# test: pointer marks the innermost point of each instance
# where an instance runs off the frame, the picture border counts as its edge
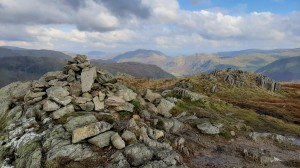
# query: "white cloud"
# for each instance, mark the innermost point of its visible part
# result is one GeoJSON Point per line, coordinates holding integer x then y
{"type": "Point", "coordinates": [156, 24]}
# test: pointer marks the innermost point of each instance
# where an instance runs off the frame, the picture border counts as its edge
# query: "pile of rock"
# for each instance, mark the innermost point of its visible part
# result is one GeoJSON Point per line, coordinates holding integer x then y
{"type": "Point", "coordinates": [65, 115]}
{"type": "Point", "coordinates": [238, 78]}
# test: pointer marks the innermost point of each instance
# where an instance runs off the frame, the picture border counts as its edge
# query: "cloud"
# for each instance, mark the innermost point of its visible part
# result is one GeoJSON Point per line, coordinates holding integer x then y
{"type": "Point", "coordinates": [157, 24]}
{"type": "Point", "coordinates": [198, 2]}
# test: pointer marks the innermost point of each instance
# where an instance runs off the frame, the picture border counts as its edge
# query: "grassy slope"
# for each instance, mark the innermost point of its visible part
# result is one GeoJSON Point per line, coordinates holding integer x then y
{"type": "Point", "coordinates": [232, 104]}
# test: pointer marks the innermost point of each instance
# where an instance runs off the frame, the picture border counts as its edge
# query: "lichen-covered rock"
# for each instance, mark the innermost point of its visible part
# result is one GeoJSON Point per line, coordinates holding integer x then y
{"type": "Point", "coordinates": [114, 101]}
{"type": "Point", "coordinates": [88, 106]}
{"type": "Point", "coordinates": [117, 141]}
{"type": "Point", "coordinates": [164, 108]}
{"type": "Point", "coordinates": [57, 91]}
{"type": "Point", "coordinates": [102, 140]}
{"type": "Point", "coordinates": [63, 111]}
{"type": "Point", "coordinates": [87, 79]}
{"type": "Point", "coordinates": [150, 96]}
{"type": "Point", "coordinates": [99, 105]}
{"type": "Point", "coordinates": [80, 121]}
{"type": "Point", "coordinates": [125, 107]}
{"type": "Point", "coordinates": [126, 94]}
{"type": "Point", "coordinates": [90, 130]}
{"type": "Point", "coordinates": [138, 154]}
{"type": "Point", "coordinates": [208, 128]}
{"type": "Point", "coordinates": [50, 106]}
{"type": "Point", "coordinates": [129, 137]}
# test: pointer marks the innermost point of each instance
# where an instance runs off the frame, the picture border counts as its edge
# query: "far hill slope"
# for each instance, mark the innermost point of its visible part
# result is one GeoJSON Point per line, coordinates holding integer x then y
{"type": "Point", "coordinates": [21, 68]}
{"type": "Point", "coordinates": [142, 56]}
{"type": "Point", "coordinates": [283, 70]}
{"type": "Point", "coordinates": [134, 69]}
{"type": "Point", "coordinates": [14, 52]}
{"type": "Point", "coordinates": [248, 60]}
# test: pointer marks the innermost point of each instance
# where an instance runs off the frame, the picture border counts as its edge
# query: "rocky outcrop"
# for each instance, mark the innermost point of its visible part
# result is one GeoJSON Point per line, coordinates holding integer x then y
{"type": "Point", "coordinates": [70, 114]}
{"type": "Point", "coordinates": [268, 83]}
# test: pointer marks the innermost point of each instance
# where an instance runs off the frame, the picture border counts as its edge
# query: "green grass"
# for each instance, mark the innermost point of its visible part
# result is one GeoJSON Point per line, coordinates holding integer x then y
{"type": "Point", "coordinates": [230, 115]}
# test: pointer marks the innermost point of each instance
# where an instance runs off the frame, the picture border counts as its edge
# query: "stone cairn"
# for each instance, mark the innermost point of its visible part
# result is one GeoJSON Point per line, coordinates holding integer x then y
{"type": "Point", "coordinates": [66, 114]}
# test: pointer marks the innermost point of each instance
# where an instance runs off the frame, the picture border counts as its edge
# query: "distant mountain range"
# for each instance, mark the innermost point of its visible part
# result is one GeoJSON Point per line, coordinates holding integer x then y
{"type": "Point", "coordinates": [22, 64]}
{"type": "Point", "coordinates": [249, 60]}
{"type": "Point", "coordinates": [159, 65]}
{"type": "Point", "coordinates": [287, 69]}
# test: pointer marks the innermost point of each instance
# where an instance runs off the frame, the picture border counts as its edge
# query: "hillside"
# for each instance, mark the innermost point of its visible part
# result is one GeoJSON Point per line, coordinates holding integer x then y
{"type": "Point", "coordinates": [84, 117]}
{"type": "Point", "coordinates": [17, 52]}
{"type": "Point", "coordinates": [134, 69]}
{"type": "Point", "coordinates": [287, 69]}
{"type": "Point", "coordinates": [22, 68]}
{"type": "Point", "coordinates": [248, 60]}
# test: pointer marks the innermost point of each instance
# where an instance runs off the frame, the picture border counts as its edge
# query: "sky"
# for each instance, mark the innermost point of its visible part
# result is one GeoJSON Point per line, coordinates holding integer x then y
{"type": "Point", "coordinates": [174, 27]}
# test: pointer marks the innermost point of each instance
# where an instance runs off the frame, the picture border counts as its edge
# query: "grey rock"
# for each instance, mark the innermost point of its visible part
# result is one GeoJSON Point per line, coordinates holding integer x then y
{"type": "Point", "coordinates": [52, 75]}
{"type": "Point", "coordinates": [208, 128]}
{"type": "Point", "coordinates": [75, 88]}
{"type": "Point", "coordinates": [80, 121]}
{"type": "Point", "coordinates": [31, 95]}
{"type": "Point", "coordinates": [20, 90]}
{"type": "Point", "coordinates": [150, 96]}
{"type": "Point", "coordinates": [50, 106]}
{"type": "Point", "coordinates": [165, 107]}
{"type": "Point", "coordinates": [165, 124]}
{"type": "Point", "coordinates": [82, 100]}
{"type": "Point", "coordinates": [90, 130]}
{"type": "Point", "coordinates": [99, 106]}
{"type": "Point", "coordinates": [183, 93]}
{"type": "Point", "coordinates": [89, 106]}
{"type": "Point", "coordinates": [126, 94]}
{"type": "Point", "coordinates": [57, 91]}
{"type": "Point", "coordinates": [102, 140]}
{"type": "Point", "coordinates": [125, 107]}
{"type": "Point", "coordinates": [63, 111]}
{"type": "Point", "coordinates": [138, 154]}
{"type": "Point", "coordinates": [101, 96]}
{"type": "Point", "coordinates": [129, 137]}
{"type": "Point", "coordinates": [114, 101]}
{"type": "Point", "coordinates": [62, 100]}
{"type": "Point", "coordinates": [151, 108]}
{"type": "Point", "coordinates": [117, 141]}
{"type": "Point", "coordinates": [87, 79]}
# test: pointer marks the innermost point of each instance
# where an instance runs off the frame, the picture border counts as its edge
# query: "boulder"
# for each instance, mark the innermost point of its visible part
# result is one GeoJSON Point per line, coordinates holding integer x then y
{"type": "Point", "coordinates": [52, 75]}
{"type": "Point", "coordinates": [80, 121]}
{"type": "Point", "coordinates": [99, 106]}
{"type": "Point", "coordinates": [20, 91]}
{"type": "Point", "coordinates": [87, 79]}
{"type": "Point", "coordinates": [138, 154]}
{"type": "Point", "coordinates": [114, 101]}
{"type": "Point", "coordinates": [75, 88]}
{"type": "Point", "coordinates": [62, 100]}
{"type": "Point", "coordinates": [126, 94]}
{"type": "Point", "coordinates": [164, 108]}
{"type": "Point", "coordinates": [90, 130]}
{"type": "Point", "coordinates": [82, 100]}
{"type": "Point", "coordinates": [150, 96]}
{"type": "Point", "coordinates": [125, 107]}
{"type": "Point", "coordinates": [89, 106]}
{"type": "Point", "coordinates": [50, 106]}
{"type": "Point", "coordinates": [31, 95]}
{"type": "Point", "coordinates": [129, 136]}
{"type": "Point", "coordinates": [208, 128]}
{"type": "Point", "coordinates": [63, 111]}
{"type": "Point", "coordinates": [117, 141]}
{"type": "Point", "coordinates": [101, 96]}
{"type": "Point", "coordinates": [102, 140]}
{"type": "Point", "coordinates": [57, 91]}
